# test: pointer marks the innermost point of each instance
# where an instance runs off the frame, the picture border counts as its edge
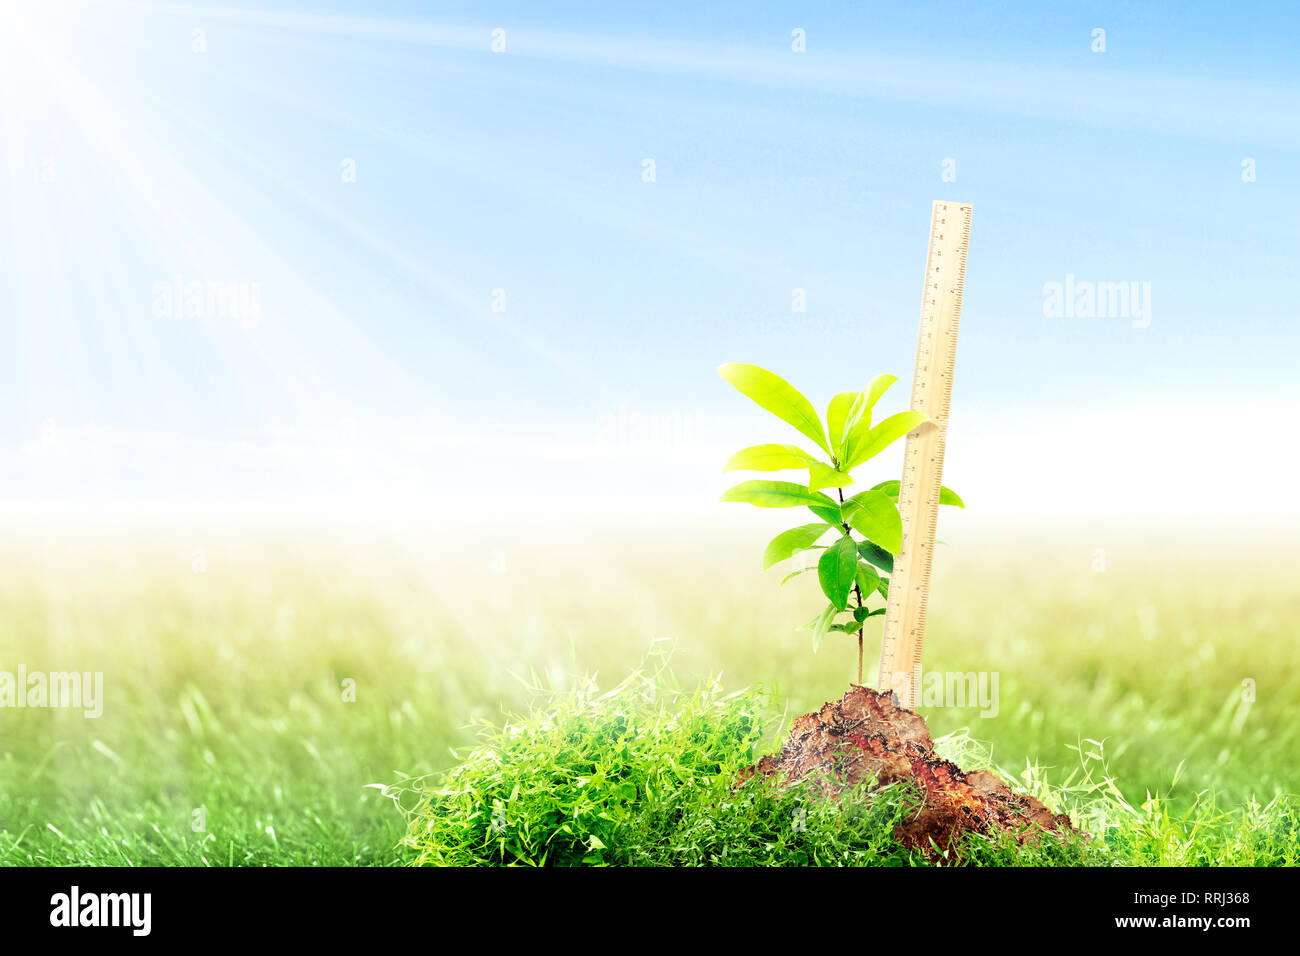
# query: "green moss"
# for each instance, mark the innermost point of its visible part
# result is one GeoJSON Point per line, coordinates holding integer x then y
{"type": "Point", "coordinates": [645, 775]}
{"type": "Point", "coordinates": [641, 776]}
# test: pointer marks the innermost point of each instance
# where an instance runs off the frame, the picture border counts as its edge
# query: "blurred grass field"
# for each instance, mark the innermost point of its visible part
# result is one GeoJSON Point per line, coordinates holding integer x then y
{"type": "Point", "coordinates": [225, 670]}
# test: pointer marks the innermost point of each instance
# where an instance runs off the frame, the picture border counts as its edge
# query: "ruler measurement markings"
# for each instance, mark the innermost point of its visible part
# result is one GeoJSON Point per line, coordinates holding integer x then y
{"type": "Point", "coordinates": [900, 653]}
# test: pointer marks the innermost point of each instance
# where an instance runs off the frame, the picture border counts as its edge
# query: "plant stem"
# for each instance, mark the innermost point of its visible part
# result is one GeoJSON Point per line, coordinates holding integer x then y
{"type": "Point", "coordinates": [857, 591]}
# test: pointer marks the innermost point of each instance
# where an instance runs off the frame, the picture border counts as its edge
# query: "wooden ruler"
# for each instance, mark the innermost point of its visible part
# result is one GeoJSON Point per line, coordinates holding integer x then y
{"type": "Point", "coordinates": [918, 495]}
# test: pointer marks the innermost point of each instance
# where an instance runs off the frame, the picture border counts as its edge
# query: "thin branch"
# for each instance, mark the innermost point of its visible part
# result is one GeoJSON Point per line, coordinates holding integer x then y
{"type": "Point", "coordinates": [857, 590]}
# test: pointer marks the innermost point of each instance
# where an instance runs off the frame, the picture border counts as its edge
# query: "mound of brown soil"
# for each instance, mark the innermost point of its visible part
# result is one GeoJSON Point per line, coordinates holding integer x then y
{"type": "Point", "coordinates": [864, 735]}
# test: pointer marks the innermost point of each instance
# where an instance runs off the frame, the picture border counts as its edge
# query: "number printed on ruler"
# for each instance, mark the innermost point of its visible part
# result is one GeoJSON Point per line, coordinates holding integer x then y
{"type": "Point", "coordinates": [922, 478]}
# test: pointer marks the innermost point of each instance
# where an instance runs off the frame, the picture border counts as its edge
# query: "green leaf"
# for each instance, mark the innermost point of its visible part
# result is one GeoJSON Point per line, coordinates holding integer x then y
{"type": "Point", "coordinates": [828, 513]}
{"type": "Point", "coordinates": [795, 574]}
{"type": "Point", "coordinates": [835, 571]}
{"type": "Point", "coordinates": [858, 420]}
{"type": "Point", "coordinates": [874, 515]}
{"type": "Point", "coordinates": [860, 448]}
{"type": "Point", "coordinates": [946, 495]}
{"type": "Point", "coordinates": [836, 414]}
{"type": "Point", "coordinates": [867, 580]}
{"type": "Point", "coordinates": [821, 624]}
{"type": "Point", "coordinates": [778, 494]}
{"type": "Point", "coordinates": [770, 458]}
{"type": "Point", "coordinates": [772, 392]}
{"type": "Point", "coordinates": [824, 476]}
{"type": "Point", "coordinates": [878, 386]}
{"type": "Point", "coordinates": [855, 625]}
{"type": "Point", "coordinates": [876, 555]}
{"type": "Point", "coordinates": [789, 543]}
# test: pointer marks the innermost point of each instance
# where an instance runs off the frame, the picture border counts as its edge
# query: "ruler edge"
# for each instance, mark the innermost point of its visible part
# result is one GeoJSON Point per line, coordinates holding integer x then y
{"type": "Point", "coordinates": [888, 649]}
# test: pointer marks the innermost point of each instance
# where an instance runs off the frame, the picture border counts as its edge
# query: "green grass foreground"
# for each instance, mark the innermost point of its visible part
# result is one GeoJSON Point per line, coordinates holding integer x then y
{"type": "Point", "coordinates": [638, 776]}
{"type": "Point", "coordinates": [228, 736]}
{"type": "Point", "coordinates": [643, 775]}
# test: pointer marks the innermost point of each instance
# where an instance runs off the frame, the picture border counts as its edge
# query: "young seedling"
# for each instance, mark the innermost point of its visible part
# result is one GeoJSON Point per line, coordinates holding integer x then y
{"type": "Point", "coordinates": [848, 567]}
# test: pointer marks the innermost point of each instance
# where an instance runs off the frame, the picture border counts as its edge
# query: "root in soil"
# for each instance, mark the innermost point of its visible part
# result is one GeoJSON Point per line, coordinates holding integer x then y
{"type": "Point", "coordinates": [866, 737]}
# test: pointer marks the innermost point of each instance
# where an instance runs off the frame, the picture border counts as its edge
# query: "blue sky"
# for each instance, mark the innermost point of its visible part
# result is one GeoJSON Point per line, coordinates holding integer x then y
{"type": "Point", "coordinates": [376, 364]}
